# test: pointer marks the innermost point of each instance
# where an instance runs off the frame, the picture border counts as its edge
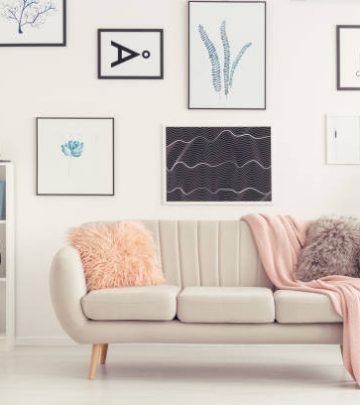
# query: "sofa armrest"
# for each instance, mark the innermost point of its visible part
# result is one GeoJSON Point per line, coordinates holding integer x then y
{"type": "Point", "coordinates": [67, 287]}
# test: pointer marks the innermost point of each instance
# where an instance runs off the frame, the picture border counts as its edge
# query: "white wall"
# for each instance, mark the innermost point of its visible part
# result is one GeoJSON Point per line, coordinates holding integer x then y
{"type": "Point", "coordinates": [62, 82]}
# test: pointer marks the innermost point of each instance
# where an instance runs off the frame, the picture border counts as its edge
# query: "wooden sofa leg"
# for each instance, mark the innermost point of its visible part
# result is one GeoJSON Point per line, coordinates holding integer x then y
{"type": "Point", "coordinates": [104, 350]}
{"type": "Point", "coordinates": [341, 350]}
{"type": "Point", "coordinates": [95, 355]}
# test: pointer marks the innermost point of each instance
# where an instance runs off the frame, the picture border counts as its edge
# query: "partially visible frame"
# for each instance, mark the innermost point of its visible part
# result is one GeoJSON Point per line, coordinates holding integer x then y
{"type": "Point", "coordinates": [348, 57]}
{"type": "Point", "coordinates": [75, 156]}
{"type": "Point", "coordinates": [342, 140]}
{"type": "Point", "coordinates": [30, 23]}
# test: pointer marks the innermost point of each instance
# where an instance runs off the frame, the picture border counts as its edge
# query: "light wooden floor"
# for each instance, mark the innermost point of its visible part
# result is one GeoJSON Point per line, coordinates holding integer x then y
{"type": "Point", "coordinates": [177, 374]}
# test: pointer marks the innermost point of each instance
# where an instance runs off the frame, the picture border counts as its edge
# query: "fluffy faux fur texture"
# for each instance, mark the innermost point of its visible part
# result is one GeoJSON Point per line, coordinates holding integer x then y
{"type": "Point", "coordinates": [332, 247]}
{"type": "Point", "coordinates": [121, 254]}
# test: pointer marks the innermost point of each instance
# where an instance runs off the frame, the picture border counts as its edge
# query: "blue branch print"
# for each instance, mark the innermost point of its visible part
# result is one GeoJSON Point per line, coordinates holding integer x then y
{"type": "Point", "coordinates": [228, 68]}
{"type": "Point", "coordinates": [214, 58]}
{"type": "Point", "coordinates": [237, 60]}
{"type": "Point", "coordinates": [226, 46]}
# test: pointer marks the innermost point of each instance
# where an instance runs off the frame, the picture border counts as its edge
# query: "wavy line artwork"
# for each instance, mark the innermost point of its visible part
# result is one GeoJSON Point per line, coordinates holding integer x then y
{"type": "Point", "coordinates": [226, 131]}
{"type": "Point", "coordinates": [218, 164]}
{"type": "Point", "coordinates": [217, 191]}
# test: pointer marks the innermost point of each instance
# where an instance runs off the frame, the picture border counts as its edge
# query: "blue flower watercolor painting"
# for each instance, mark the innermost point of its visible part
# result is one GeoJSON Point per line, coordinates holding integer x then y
{"type": "Point", "coordinates": [72, 148]}
{"type": "Point", "coordinates": [75, 156]}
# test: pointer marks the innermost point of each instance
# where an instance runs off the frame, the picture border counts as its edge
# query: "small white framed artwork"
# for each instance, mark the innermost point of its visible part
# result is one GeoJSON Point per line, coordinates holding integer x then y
{"type": "Point", "coordinates": [343, 140]}
{"type": "Point", "coordinates": [75, 156]}
{"type": "Point", "coordinates": [32, 23]}
{"type": "Point", "coordinates": [130, 53]}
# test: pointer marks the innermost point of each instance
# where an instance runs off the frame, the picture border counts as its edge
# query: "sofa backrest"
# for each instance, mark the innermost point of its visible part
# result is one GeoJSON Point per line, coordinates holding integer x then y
{"type": "Point", "coordinates": [208, 253]}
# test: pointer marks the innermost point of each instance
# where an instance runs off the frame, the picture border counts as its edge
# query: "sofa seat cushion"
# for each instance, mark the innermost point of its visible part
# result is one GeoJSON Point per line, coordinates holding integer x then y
{"type": "Point", "coordinates": [304, 307]}
{"type": "Point", "coordinates": [151, 303]}
{"type": "Point", "coordinates": [226, 305]}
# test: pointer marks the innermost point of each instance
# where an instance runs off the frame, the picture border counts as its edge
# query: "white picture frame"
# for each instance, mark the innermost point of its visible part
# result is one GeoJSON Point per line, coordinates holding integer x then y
{"type": "Point", "coordinates": [75, 156]}
{"type": "Point", "coordinates": [227, 55]}
{"type": "Point", "coordinates": [343, 139]}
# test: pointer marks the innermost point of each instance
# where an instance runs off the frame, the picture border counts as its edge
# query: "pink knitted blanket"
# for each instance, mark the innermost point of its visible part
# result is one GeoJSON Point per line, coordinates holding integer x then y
{"type": "Point", "coordinates": [279, 240]}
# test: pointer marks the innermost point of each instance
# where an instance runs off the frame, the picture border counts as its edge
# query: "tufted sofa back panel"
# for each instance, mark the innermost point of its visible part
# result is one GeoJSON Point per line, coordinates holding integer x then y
{"type": "Point", "coordinates": [208, 253]}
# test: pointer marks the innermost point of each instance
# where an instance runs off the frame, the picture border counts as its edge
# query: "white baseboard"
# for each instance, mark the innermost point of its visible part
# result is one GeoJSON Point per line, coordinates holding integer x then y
{"type": "Point", "coordinates": [44, 341]}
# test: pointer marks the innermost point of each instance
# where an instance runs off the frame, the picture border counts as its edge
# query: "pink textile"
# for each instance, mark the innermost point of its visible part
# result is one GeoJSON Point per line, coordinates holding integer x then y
{"type": "Point", "coordinates": [119, 254]}
{"type": "Point", "coordinates": [279, 240]}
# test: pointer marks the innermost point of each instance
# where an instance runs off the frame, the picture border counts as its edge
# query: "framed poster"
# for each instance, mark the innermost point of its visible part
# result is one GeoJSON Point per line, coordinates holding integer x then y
{"type": "Point", "coordinates": [348, 57]}
{"type": "Point", "coordinates": [217, 164]}
{"type": "Point", "coordinates": [227, 55]}
{"type": "Point", "coordinates": [32, 23]}
{"type": "Point", "coordinates": [75, 156]}
{"type": "Point", "coordinates": [342, 140]}
{"type": "Point", "coordinates": [130, 54]}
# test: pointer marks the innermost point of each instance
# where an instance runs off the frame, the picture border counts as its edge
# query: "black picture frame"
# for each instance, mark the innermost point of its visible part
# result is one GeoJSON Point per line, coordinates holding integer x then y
{"type": "Point", "coordinates": [195, 172]}
{"type": "Point", "coordinates": [45, 44]}
{"type": "Point", "coordinates": [37, 119]}
{"type": "Point", "coordinates": [100, 31]}
{"type": "Point", "coordinates": [265, 56]}
{"type": "Point", "coordinates": [339, 87]}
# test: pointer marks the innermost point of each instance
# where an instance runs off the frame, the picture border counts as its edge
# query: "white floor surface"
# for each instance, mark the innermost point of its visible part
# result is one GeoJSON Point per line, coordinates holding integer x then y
{"type": "Point", "coordinates": [177, 374]}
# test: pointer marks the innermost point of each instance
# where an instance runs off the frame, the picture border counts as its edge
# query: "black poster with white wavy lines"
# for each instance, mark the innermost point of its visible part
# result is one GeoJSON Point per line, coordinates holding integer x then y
{"type": "Point", "coordinates": [213, 164]}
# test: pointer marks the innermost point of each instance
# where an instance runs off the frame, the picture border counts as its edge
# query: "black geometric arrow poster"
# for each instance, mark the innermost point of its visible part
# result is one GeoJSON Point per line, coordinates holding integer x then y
{"type": "Point", "coordinates": [130, 54]}
{"type": "Point", "coordinates": [218, 164]}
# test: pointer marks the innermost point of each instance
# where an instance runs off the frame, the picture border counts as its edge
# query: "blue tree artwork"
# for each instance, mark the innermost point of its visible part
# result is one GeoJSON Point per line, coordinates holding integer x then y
{"type": "Point", "coordinates": [26, 13]}
{"type": "Point", "coordinates": [229, 68]}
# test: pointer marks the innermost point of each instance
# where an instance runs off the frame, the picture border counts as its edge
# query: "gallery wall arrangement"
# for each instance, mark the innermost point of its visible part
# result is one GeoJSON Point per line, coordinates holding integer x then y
{"type": "Point", "coordinates": [32, 23]}
{"type": "Point", "coordinates": [226, 70]}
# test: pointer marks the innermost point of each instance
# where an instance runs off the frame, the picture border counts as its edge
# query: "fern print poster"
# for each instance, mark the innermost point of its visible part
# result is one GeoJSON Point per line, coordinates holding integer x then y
{"type": "Point", "coordinates": [218, 164]}
{"type": "Point", "coordinates": [227, 54]}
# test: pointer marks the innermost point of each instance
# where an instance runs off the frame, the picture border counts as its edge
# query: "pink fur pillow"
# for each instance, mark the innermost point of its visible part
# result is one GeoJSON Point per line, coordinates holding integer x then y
{"type": "Point", "coordinates": [121, 254]}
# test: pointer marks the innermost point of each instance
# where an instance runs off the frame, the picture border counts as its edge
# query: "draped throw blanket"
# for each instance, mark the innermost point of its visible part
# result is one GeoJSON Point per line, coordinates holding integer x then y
{"type": "Point", "coordinates": [279, 240]}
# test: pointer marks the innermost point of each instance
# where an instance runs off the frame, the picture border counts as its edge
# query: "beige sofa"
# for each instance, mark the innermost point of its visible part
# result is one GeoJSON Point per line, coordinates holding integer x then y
{"type": "Point", "coordinates": [216, 292]}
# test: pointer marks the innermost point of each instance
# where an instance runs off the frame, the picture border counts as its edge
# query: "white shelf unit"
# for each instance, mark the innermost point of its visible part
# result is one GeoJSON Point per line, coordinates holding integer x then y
{"type": "Point", "coordinates": [7, 264]}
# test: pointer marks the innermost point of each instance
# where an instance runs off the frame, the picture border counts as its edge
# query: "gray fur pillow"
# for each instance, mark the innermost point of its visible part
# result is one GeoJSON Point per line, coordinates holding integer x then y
{"type": "Point", "coordinates": [332, 247]}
